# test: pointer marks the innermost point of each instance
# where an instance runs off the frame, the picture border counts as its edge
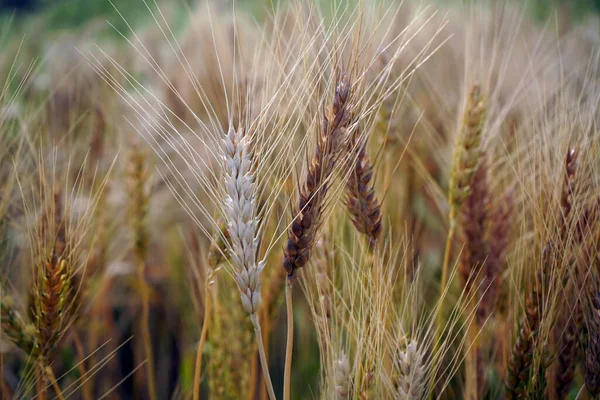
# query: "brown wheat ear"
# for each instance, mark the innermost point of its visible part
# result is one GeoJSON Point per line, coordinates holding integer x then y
{"type": "Point", "coordinates": [568, 189]}
{"type": "Point", "coordinates": [52, 304]}
{"type": "Point", "coordinates": [474, 212]}
{"type": "Point", "coordinates": [592, 350]}
{"type": "Point", "coordinates": [312, 194]}
{"type": "Point", "coordinates": [495, 265]}
{"type": "Point", "coordinates": [361, 201]}
{"type": "Point", "coordinates": [521, 358]}
{"type": "Point", "coordinates": [568, 325]}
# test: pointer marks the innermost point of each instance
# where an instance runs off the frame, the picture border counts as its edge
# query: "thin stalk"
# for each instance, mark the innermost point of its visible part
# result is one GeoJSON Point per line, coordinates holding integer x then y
{"type": "Point", "coordinates": [145, 330]}
{"type": "Point", "coordinates": [443, 285]}
{"type": "Point", "coordinates": [40, 384]}
{"type": "Point", "coordinates": [198, 372]}
{"type": "Point", "coordinates": [54, 383]}
{"type": "Point", "coordinates": [444, 281]}
{"type": "Point", "coordinates": [290, 341]}
{"type": "Point", "coordinates": [263, 357]}
{"type": "Point", "coordinates": [471, 368]}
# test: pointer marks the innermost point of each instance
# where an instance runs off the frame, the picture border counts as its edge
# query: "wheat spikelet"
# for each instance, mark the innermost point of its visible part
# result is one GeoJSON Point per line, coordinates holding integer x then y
{"type": "Point", "coordinates": [498, 234]}
{"type": "Point", "coordinates": [411, 373]}
{"type": "Point", "coordinates": [568, 324]}
{"type": "Point", "coordinates": [342, 377]}
{"type": "Point", "coordinates": [361, 201]}
{"type": "Point", "coordinates": [312, 194]}
{"type": "Point", "coordinates": [52, 302]}
{"type": "Point", "coordinates": [468, 149]}
{"type": "Point", "coordinates": [521, 358]}
{"type": "Point", "coordinates": [474, 223]}
{"type": "Point", "coordinates": [568, 188]}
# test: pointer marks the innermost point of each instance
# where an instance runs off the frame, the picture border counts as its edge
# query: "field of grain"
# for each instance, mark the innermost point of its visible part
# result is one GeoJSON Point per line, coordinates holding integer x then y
{"type": "Point", "coordinates": [338, 199]}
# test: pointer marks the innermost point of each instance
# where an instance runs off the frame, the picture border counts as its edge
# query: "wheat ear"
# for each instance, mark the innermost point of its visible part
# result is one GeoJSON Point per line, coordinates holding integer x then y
{"type": "Point", "coordinates": [411, 372]}
{"type": "Point", "coordinates": [361, 201]}
{"type": "Point", "coordinates": [242, 227]}
{"type": "Point", "coordinates": [308, 213]}
{"type": "Point", "coordinates": [342, 377]}
{"type": "Point", "coordinates": [137, 176]}
{"type": "Point", "coordinates": [466, 159]}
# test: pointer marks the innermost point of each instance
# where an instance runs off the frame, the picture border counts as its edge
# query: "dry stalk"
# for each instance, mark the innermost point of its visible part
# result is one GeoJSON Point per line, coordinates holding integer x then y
{"type": "Point", "coordinates": [198, 367]}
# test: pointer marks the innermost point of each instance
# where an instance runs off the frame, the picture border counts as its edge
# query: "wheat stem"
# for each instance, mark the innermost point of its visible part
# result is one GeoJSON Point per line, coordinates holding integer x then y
{"type": "Point", "coordinates": [290, 340]}
{"type": "Point", "coordinates": [198, 372]}
{"type": "Point", "coordinates": [147, 339]}
{"type": "Point", "coordinates": [444, 281]}
{"type": "Point", "coordinates": [54, 383]}
{"type": "Point", "coordinates": [40, 377]}
{"type": "Point", "coordinates": [263, 356]}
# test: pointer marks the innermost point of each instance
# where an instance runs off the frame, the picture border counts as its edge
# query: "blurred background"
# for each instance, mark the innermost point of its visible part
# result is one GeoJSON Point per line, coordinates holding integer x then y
{"type": "Point", "coordinates": [72, 14]}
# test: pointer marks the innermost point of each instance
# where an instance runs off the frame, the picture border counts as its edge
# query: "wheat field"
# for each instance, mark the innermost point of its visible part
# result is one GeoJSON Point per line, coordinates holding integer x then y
{"type": "Point", "coordinates": [339, 199]}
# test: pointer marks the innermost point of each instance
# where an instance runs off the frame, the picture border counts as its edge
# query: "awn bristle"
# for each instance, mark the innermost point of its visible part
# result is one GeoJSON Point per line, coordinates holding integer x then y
{"type": "Point", "coordinates": [312, 194]}
{"type": "Point", "coordinates": [14, 327]}
{"type": "Point", "coordinates": [592, 351]}
{"type": "Point", "coordinates": [361, 201]}
{"type": "Point", "coordinates": [242, 226]}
